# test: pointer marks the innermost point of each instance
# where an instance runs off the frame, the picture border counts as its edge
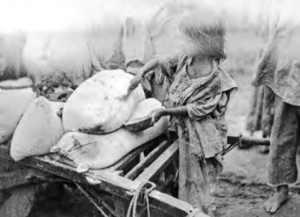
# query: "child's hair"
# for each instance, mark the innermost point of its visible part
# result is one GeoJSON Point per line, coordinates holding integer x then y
{"type": "Point", "coordinates": [208, 36]}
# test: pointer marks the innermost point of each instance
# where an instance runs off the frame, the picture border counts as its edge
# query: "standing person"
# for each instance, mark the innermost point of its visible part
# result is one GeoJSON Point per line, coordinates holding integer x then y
{"type": "Point", "coordinates": [261, 113]}
{"type": "Point", "coordinates": [279, 70]}
{"type": "Point", "coordinates": [197, 100]}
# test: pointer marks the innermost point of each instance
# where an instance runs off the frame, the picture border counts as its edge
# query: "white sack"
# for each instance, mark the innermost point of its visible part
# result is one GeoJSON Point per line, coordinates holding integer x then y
{"type": "Point", "coordinates": [100, 151]}
{"type": "Point", "coordinates": [144, 109]}
{"type": "Point", "coordinates": [40, 128]}
{"type": "Point", "coordinates": [13, 104]}
{"type": "Point", "coordinates": [96, 103]}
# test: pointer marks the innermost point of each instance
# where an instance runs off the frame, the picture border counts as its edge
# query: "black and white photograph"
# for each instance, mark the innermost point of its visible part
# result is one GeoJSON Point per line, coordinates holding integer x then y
{"type": "Point", "coordinates": [149, 108]}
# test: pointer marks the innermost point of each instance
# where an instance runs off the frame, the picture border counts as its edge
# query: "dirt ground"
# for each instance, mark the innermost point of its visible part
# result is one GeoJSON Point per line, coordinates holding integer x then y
{"type": "Point", "coordinates": [242, 187]}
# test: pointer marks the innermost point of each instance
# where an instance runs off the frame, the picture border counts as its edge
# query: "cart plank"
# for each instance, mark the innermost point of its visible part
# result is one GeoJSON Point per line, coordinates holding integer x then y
{"type": "Point", "coordinates": [107, 181]}
{"type": "Point", "coordinates": [147, 160]}
{"type": "Point", "coordinates": [173, 206]}
{"type": "Point", "coordinates": [159, 164]}
{"type": "Point", "coordinates": [125, 161]}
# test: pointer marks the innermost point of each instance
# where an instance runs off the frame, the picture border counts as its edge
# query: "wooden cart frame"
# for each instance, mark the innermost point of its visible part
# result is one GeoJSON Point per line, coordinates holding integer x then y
{"type": "Point", "coordinates": [131, 177]}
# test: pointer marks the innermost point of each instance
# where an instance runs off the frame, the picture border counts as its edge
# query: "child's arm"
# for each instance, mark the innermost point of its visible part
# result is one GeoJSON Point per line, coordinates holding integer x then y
{"type": "Point", "coordinates": [150, 65]}
{"type": "Point", "coordinates": [177, 111]}
{"type": "Point", "coordinates": [222, 105]}
{"type": "Point", "coordinates": [194, 110]}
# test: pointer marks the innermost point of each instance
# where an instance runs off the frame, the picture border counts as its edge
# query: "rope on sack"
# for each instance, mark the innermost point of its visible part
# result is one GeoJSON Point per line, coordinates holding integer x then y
{"type": "Point", "coordinates": [132, 209]}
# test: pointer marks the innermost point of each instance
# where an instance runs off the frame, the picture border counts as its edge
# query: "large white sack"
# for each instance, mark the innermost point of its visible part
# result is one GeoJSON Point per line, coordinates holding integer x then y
{"type": "Point", "coordinates": [13, 104]}
{"type": "Point", "coordinates": [96, 104]}
{"type": "Point", "coordinates": [40, 128]}
{"type": "Point", "coordinates": [100, 151]}
{"type": "Point", "coordinates": [16, 84]}
{"type": "Point", "coordinates": [63, 55]}
{"type": "Point", "coordinates": [144, 109]}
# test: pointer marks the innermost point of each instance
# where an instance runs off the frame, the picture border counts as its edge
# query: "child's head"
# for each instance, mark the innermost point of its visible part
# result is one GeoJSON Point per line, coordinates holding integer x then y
{"type": "Point", "coordinates": [203, 37]}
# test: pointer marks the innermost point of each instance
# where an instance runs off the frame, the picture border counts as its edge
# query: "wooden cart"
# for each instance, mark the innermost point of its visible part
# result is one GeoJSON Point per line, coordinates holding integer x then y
{"type": "Point", "coordinates": [136, 182]}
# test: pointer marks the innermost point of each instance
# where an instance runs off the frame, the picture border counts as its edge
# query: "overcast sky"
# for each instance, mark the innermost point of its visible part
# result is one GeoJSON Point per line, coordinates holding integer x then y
{"type": "Point", "coordinates": [59, 14]}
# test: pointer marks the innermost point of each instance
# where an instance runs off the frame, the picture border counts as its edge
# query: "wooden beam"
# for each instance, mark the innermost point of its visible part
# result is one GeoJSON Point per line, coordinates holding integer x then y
{"type": "Point", "coordinates": [107, 181]}
{"type": "Point", "coordinates": [119, 186]}
{"type": "Point", "coordinates": [247, 141]}
{"type": "Point", "coordinates": [147, 160]}
{"type": "Point", "coordinates": [133, 155]}
{"type": "Point", "coordinates": [124, 162]}
{"type": "Point", "coordinates": [159, 164]}
{"type": "Point", "coordinates": [173, 206]}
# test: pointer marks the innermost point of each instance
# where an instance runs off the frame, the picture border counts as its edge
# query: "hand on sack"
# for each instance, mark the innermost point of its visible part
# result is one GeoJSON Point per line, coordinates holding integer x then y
{"type": "Point", "coordinates": [135, 82]}
{"type": "Point", "coordinates": [156, 115]}
{"type": "Point", "coordinates": [132, 71]}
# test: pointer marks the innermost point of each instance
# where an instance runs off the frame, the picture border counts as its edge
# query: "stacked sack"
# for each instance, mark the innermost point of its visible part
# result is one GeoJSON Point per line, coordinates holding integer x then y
{"type": "Point", "coordinates": [90, 131]}
{"type": "Point", "coordinates": [39, 129]}
{"type": "Point", "coordinates": [13, 103]}
{"type": "Point", "coordinates": [100, 151]}
{"type": "Point", "coordinates": [97, 104]}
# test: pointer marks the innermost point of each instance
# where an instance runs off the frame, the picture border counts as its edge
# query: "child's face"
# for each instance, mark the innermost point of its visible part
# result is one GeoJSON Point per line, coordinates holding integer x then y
{"type": "Point", "coordinates": [201, 66]}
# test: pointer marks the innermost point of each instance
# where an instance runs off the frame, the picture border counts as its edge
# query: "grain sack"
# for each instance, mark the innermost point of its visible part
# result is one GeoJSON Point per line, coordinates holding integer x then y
{"type": "Point", "coordinates": [100, 151]}
{"type": "Point", "coordinates": [144, 108]}
{"type": "Point", "coordinates": [97, 104]}
{"type": "Point", "coordinates": [39, 129]}
{"type": "Point", "coordinates": [16, 84]}
{"type": "Point", "coordinates": [13, 104]}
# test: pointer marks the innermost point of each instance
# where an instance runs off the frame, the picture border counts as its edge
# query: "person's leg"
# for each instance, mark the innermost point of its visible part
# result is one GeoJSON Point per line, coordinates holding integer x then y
{"type": "Point", "coordinates": [284, 142]}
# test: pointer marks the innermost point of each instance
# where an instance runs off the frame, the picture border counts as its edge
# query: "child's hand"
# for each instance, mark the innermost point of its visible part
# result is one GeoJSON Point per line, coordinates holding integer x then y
{"type": "Point", "coordinates": [156, 115]}
{"type": "Point", "coordinates": [135, 82]}
{"type": "Point", "coordinates": [215, 114]}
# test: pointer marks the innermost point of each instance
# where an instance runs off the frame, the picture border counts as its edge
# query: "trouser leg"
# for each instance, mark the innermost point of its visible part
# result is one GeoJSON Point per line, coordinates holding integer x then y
{"type": "Point", "coordinates": [284, 143]}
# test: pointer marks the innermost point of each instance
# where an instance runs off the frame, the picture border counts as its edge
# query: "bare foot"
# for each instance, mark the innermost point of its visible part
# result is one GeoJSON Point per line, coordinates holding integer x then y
{"type": "Point", "coordinates": [275, 202]}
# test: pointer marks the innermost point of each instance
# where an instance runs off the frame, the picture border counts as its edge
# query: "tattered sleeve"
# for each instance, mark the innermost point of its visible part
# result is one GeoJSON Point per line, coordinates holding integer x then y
{"type": "Point", "coordinates": [199, 109]}
{"type": "Point", "coordinates": [168, 63]}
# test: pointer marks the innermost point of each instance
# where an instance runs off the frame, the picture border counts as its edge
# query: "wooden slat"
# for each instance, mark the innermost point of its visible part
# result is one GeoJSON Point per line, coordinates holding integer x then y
{"type": "Point", "coordinates": [118, 186]}
{"type": "Point", "coordinates": [109, 182]}
{"type": "Point", "coordinates": [133, 155]}
{"type": "Point", "coordinates": [124, 162]}
{"type": "Point", "coordinates": [173, 206]}
{"type": "Point", "coordinates": [95, 201]}
{"type": "Point", "coordinates": [147, 160]}
{"type": "Point", "coordinates": [159, 164]}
